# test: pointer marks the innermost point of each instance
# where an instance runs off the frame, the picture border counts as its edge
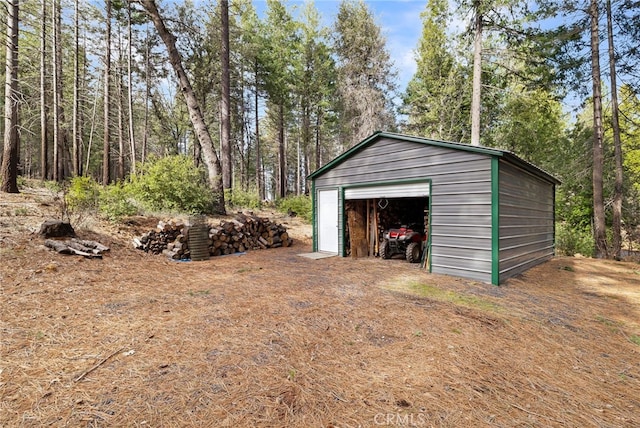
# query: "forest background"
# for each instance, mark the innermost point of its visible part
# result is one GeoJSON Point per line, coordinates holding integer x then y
{"type": "Point", "coordinates": [167, 103]}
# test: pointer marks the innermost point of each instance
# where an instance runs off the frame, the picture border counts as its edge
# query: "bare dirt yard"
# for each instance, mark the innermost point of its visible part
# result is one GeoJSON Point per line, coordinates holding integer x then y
{"type": "Point", "coordinates": [272, 339]}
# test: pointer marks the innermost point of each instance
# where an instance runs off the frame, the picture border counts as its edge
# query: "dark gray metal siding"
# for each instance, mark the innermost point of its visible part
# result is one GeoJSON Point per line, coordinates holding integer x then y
{"type": "Point", "coordinates": [526, 221]}
{"type": "Point", "coordinates": [460, 197]}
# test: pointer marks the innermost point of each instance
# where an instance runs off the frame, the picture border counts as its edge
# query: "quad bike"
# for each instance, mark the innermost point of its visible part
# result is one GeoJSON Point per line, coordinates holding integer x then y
{"type": "Point", "coordinates": [403, 240]}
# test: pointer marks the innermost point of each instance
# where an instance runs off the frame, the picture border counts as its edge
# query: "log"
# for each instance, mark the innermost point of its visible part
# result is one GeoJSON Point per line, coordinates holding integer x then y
{"type": "Point", "coordinates": [81, 248]}
{"type": "Point", "coordinates": [59, 246]}
{"type": "Point", "coordinates": [62, 247]}
{"type": "Point", "coordinates": [91, 244]}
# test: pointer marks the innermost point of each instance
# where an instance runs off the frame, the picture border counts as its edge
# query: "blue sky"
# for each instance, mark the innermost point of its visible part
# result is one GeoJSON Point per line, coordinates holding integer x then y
{"type": "Point", "coordinates": [400, 23]}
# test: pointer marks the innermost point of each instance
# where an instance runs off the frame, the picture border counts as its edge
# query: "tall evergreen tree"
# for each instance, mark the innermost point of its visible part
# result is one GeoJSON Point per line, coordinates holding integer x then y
{"type": "Point", "coordinates": [365, 73]}
{"type": "Point", "coordinates": [436, 100]}
{"type": "Point", "coordinates": [225, 110]}
{"type": "Point", "coordinates": [316, 88]}
{"type": "Point", "coordinates": [44, 111]}
{"type": "Point", "coordinates": [106, 142]}
{"type": "Point", "coordinates": [599, 221]}
{"type": "Point", "coordinates": [252, 51]}
{"type": "Point", "coordinates": [279, 58]}
{"type": "Point", "coordinates": [11, 152]}
{"type": "Point", "coordinates": [617, 142]}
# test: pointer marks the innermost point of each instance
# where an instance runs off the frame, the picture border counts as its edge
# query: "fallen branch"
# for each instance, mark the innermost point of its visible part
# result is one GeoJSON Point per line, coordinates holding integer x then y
{"type": "Point", "coordinates": [104, 360]}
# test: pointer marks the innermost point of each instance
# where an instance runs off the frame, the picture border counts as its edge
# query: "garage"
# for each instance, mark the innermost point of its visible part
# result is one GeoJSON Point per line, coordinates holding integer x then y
{"type": "Point", "coordinates": [479, 213]}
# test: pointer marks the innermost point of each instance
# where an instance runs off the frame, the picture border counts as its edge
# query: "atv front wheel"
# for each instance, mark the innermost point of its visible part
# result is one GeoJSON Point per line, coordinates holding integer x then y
{"type": "Point", "coordinates": [413, 252]}
{"type": "Point", "coordinates": [384, 250]}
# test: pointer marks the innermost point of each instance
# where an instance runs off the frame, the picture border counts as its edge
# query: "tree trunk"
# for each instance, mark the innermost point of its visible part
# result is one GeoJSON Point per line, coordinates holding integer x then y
{"type": "Point", "coordinates": [477, 76]}
{"type": "Point", "coordinates": [225, 112]}
{"type": "Point", "coordinates": [282, 166]}
{"type": "Point", "coordinates": [147, 68]}
{"type": "Point", "coordinates": [318, 140]}
{"type": "Point", "coordinates": [119, 93]}
{"type": "Point", "coordinates": [132, 140]}
{"type": "Point", "coordinates": [298, 167]}
{"type": "Point", "coordinates": [211, 159]}
{"type": "Point", "coordinates": [44, 125]}
{"type": "Point", "coordinates": [599, 226]}
{"type": "Point", "coordinates": [11, 153]}
{"type": "Point", "coordinates": [57, 93]}
{"type": "Point", "coordinates": [617, 144]}
{"type": "Point", "coordinates": [76, 162]}
{"type": "Point", "coordinates": [106, 143]}
{"type": "Point", "coordinates": [259, 178]}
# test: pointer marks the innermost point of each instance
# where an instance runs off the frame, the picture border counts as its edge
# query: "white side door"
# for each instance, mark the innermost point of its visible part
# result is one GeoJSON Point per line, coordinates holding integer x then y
{"type": "Point", "coordinates": [328, 221]}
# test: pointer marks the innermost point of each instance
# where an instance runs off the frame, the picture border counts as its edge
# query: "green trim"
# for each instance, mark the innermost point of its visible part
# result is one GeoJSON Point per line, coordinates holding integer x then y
{"type": "Point", "coordinates": [314, 224]}
{"type": "Point", "coordinates": [554, 219]}
{"type": "Point", "coordinates": [343, 219]}
{"type": "Point", "coordinates": [495, 221]}
{"type": "Point", "coordinates": [512, 158]}
{"type": "Point", "coordinates": [429, 237]}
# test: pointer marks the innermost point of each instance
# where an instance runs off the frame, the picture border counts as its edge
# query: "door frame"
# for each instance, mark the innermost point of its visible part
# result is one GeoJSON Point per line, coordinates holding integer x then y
{"type": "Point", "coordinates": [316, 218]}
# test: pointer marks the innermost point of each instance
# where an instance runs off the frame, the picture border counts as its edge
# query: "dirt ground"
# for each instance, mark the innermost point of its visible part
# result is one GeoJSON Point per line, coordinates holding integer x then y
{"type": "Point", "coordinates": [272, 339]}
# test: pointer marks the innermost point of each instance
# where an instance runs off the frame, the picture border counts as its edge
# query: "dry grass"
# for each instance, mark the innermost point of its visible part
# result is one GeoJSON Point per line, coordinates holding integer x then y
{"type": "Point", "coordinates": [272, 339]}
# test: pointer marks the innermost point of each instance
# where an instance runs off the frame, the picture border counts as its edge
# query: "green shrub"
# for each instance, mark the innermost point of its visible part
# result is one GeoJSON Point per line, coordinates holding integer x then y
{"type": "Point", "coordinates": [572, 241]}
{"type": "Point", "coordinates": [116, 202]}
{"type": "Point", "coordinates": [172, 183]}
{"type": "Point", "coordinates": [53, 186]}
{"type": "Point", "coordinates": [82, 195]}
{"type": "Point", "coordinates": [301, 205]}
{"type": "Point", "coordinates": [241, 199]}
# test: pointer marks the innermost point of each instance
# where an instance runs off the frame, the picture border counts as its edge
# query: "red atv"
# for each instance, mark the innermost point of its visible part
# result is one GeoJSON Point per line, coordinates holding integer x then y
{"type": "Point", "coordinates": [403, 240]}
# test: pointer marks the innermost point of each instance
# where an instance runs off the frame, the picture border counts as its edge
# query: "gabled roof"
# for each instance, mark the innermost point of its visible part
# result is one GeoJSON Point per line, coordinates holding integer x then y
{"type": "Point", "coordinates": [505, 154]}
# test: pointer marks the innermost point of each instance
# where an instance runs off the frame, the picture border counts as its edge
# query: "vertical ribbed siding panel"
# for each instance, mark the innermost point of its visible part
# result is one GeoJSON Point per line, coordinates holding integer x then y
{"type": "Point", "coordinates": [526, 221]}
{"type": "Point", "coordinates": [461, 221]}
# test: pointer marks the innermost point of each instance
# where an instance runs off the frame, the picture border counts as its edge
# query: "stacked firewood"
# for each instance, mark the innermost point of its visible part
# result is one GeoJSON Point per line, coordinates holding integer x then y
{"type": "Point", "coordinates": [244, 232]}
{"type": "Point", "coordinates": [247, 232]}
{"type": "Point", "coordinates": [156, 241]}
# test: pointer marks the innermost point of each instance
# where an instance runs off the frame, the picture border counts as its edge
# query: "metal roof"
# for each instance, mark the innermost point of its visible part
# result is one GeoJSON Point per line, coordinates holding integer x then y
{"type": "Point", "coordinates": [489, 151]}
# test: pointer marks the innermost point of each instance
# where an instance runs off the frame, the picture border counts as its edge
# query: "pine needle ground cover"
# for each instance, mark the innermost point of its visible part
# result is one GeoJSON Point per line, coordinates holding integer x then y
{"type": "Point", "coordinates": [272, 339]}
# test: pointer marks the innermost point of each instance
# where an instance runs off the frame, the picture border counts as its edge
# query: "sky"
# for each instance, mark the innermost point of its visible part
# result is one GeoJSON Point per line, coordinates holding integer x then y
{"type": "Point", "coordinates": [400, 23]}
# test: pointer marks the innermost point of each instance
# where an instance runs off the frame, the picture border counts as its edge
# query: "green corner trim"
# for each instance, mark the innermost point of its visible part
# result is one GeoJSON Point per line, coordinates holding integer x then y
{"type": "Point", "coordinates": [429, 252]}
{"type": "Point", "coordinates": [314, 224]}
{"type": "Point", "coordinates": [343, 218]}
{"type": "Point", "coordinates": [495, 221]}
{"type": "Point", "coordinates": [553, 192]}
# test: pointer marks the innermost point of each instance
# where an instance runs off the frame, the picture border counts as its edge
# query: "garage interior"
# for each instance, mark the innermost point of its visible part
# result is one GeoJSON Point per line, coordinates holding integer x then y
{"type": "Point", "coordinates": [366, 221]}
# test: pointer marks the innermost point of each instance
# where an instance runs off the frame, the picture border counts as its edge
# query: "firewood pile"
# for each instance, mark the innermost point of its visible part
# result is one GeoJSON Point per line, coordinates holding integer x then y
{"type": "Point", "coordinates": [242, 233]}
{"type": "Point", "coordinates": [156, 241]}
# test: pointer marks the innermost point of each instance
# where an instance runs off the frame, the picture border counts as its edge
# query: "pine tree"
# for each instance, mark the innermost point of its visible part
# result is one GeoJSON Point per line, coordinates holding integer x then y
{"type": "Point", "coordinates": [11, 152]}
{"type": "Point", "coordinates": [436, 100]}
{"type": "Point", "coordinates": [315, 88]}
{"type": "Point", "coordinates": [279, 57]}
{"type": "Point", "coordinates": [365, 73]}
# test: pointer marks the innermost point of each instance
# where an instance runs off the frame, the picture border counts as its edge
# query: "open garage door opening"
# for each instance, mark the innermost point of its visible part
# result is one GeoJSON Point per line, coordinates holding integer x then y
{"type": "Point", "coordinates": [387, 227]}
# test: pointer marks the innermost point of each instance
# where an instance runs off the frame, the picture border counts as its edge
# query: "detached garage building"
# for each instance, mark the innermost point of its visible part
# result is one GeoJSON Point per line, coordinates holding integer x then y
{"type": "Point", "coordinates": [489, 215]}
